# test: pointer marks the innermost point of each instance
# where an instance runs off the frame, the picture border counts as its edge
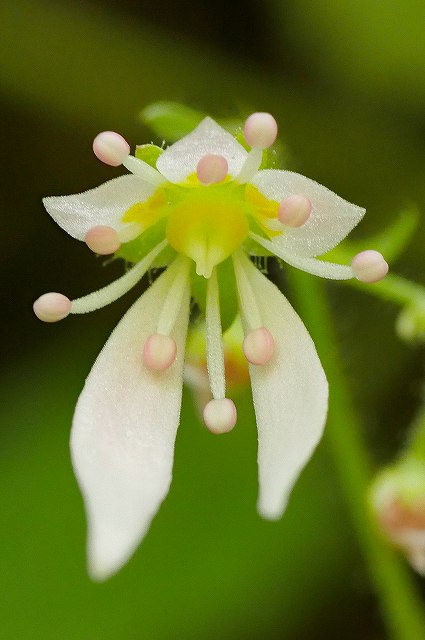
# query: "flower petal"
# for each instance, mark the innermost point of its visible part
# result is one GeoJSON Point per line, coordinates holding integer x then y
{"type": "Point", "coordinates": [181, 159]}
{"type": "Point", "coordinates": [123, 433]}
{"type": "Point", "coordinates": [331, 219]}
{"type": "Point", "coordinates": [104, 205]}
{"type": "Point", "coordinates": [290, 397]}
{"type": "Point", "coordinates": [321, 268]}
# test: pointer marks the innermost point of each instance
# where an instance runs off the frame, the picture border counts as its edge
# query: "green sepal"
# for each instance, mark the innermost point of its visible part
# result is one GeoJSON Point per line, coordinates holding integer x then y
{"type": "Point", "coordinates": [136, 249]}
{"type": "Point", "coordinates": [252, 247]}
{"type": "Point", "coordinates": [170, 120]}
{"type": "Point", "coordinates": [199, 291]}
{"type": "Point", "coordinates": [149, 153]}
{"type": "Point", "coordinates": [227, 293]}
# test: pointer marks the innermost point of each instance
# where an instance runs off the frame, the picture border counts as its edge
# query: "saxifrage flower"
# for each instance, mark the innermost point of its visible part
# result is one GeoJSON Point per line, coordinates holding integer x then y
{"type": "Point", "coordinates": [204, 208]}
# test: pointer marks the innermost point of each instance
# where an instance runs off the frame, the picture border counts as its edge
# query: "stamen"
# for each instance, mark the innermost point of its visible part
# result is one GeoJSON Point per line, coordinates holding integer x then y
{"type": "Point", "coordinates": [273, 224]}
{"type": "Point", "coordinates": [258, 346]}
{"type": "Point", "coordinates": [260, 130]}
{"type": "Point", "coordinates": [212, 169]}
{"type": "Point", "coordinates": [118, 288]}
{"type": "Point", "coordinates": [369, 266]}
{"type": "Point", "coordinates": [220, 415]}
{"type": "Point", "coordinates": [110, 148]}
{"type": "Point", "coordinates": [143, 170]}
{"type": "Point", "coordinates": [51, 307]}
{"type": "Point", "coordinates": [294, 211]}
{"type": "Point", "coordinates": [248, 303]}
{"type": "Point", "coordinates": [250, 166]}
{"type": "Point", "coordinates": [171, 308]}
{"type": "Point", "coordinates": [159, 352]}
{"type": "Point", "coordinates": [160, 349]}
{"type": "Point", "coordinates": [215, 352]}
{"type": "Point", "coordinates": [102, 240]}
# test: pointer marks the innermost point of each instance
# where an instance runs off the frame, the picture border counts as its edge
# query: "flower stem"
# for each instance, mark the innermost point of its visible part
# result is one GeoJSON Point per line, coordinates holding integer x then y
{"type": "Point", "coordinates": [394, 288]}
{"type": "Point", "coordinates": [394, 584]}
{"type": "Point", "coordinates": [416, 446]}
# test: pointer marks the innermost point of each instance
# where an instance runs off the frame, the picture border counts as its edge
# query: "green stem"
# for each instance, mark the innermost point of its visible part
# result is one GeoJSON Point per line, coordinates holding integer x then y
{"type": "Point", "coordinates": [394, 288]}
{"type": "Point", "coordinates": [400, 603]}
{"type": "Point", "coordinates": [416, 446]}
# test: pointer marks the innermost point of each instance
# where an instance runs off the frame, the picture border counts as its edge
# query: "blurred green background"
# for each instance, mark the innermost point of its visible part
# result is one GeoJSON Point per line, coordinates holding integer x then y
{"type": "Point", "coordinates": [346, 82]}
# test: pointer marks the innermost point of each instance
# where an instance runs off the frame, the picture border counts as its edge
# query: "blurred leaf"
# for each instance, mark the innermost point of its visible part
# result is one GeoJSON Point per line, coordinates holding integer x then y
{"type": "Point", "coordinates": [91, 65]}
{"type": "Point", "coordinates": [170, 120]}
{"type": "Point", "coordinates": [374, 47]}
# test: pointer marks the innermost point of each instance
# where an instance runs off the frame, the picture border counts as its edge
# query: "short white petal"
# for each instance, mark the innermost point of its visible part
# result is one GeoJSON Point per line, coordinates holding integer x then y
{"type": "Point", "coordinates": [331, 219]}
{"type": "Point", "coordinates": [321, 268]}
{"type": "Point", "coordinates": [181, 158]}
{"type": "Point", "coordinates": [123, 434]}
{"type": "Point", "coordinates": [104, 205]}
{"type": "Point", "coordinates": [290, 398]}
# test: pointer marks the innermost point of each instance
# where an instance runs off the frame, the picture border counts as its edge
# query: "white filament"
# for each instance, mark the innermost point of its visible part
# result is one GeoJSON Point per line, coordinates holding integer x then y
{"type": "Point", "coordinates": [172, 304]}
{"type": "Point", "coordinates": [319, 268]}
{"type": "Point", "coordinates": [118, 288]}
{"type": "Point", "coordinates": [250, 166]}
{"type": "Point", "coordinates": [247, 300]}
{"type": "Point", "coordinates": [143, 170]}
{"type": "Point", "coordinates": [215, 353]}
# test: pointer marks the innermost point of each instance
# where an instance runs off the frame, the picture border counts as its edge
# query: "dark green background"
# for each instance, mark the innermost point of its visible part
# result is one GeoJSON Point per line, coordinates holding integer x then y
{"type": "Point", "coordinates": [346, 82]}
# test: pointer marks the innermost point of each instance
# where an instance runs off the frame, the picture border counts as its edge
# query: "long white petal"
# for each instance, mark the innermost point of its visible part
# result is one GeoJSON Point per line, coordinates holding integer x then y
{"type": "Point", "coordinates": [321, 268]}
{"type": "Point", "coordinates": [181, 158]}
{"type": "Point", "coordinates": [123, 432]}
{"type": "Point", "coordinates": [104, 205]}
{"type": "Point", "coordinates": [290, 397]}
{"type": "Point", "coordinates": [331, 219]}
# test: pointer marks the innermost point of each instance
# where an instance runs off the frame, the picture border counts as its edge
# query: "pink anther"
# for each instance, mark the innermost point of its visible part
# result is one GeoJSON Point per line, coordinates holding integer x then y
{"type": "Point", "coordinates": [111, 148]}
{"type": "Point", "coordinates": [260, 130]}
{"type": "Point", "coordinates": [212, 169]}
{"type": "Point", "coordinates": [259, 346]}
{"type": "Point", "coordinates": [220, 415]}
{"type": "Point", "coordinates": [294, 211]}
{"type": "Point", "coordinates": [159, 352]}
{"type": "Point", "coordinates": [369, 266]}
{"type": "Point", "coordinates": [51, 307]}
{"type": "Point", "coordinates": [102, 240]}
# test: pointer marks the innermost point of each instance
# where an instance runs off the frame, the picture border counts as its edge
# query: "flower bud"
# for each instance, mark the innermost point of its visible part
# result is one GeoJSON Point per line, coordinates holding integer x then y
{"type": "Point", "coordinates": [398, 500]}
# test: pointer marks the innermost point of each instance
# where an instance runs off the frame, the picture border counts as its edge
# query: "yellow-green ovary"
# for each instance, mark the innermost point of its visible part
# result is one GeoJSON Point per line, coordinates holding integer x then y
{"type": "Point", "coordinates": [208, 231]}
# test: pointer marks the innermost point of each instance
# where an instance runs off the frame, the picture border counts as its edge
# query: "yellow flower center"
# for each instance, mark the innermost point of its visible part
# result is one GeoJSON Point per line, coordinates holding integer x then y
{"type": "Point", "coordinates": [205, 223]}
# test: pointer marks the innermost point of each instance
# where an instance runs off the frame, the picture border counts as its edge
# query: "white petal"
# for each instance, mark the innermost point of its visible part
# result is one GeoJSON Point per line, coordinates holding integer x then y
{"type": "Point", "coordinates": [331, 219]}
{"type": "Point", "coordinates": [104, 205]}
{"type": "Point", "coordinates": [123, 433]}
{"type": "Point", "coordinates": [290, 398]}
{"type": "Point", "coordinates": [181, 158]}
{"type": "Point", "coordinates": [321, 268]}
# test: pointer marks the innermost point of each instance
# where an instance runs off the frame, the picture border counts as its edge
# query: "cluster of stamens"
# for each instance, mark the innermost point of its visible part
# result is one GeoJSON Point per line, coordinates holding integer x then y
{"type": "Point", "coordinates": [159, 351]}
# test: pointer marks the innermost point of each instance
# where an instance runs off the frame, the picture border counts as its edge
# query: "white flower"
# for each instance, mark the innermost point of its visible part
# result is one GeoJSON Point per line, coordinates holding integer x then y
{"type": "Point", "coordinates": [205, 203]}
